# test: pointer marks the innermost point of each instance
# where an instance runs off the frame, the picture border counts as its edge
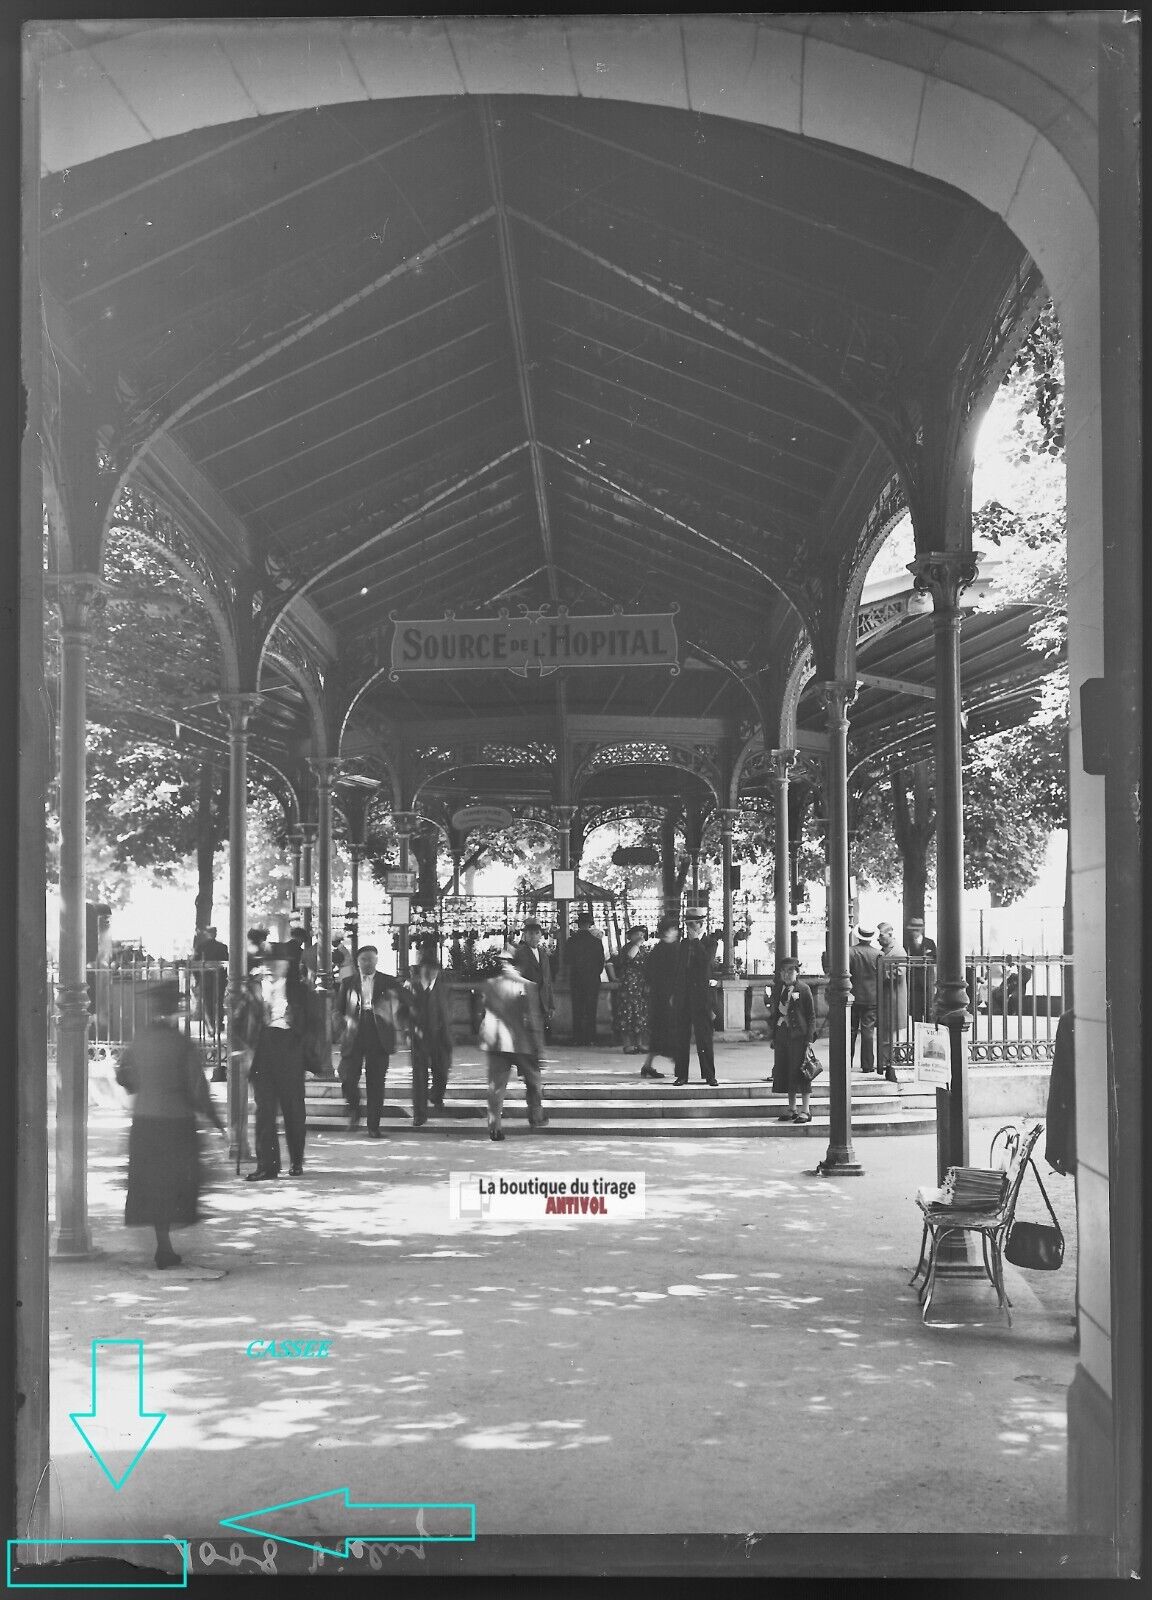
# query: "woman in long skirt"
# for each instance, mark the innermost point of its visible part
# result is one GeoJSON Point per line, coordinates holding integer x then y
{"type": "Point", "coordinates": [633, 991]}
{"type": "Point", "coordinates": [163, 1069]}
{"type": "Point", "coordinates": [792, 1025]}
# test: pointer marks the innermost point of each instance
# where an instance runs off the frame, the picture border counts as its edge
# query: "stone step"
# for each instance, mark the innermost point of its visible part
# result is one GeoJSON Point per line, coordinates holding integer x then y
{"type": "Point", "coordinates": [621, 1107]}
{"type": "Point", "coordinates": [652, 1092]}
{"type": "Point", "coordinates": [896, 1122]}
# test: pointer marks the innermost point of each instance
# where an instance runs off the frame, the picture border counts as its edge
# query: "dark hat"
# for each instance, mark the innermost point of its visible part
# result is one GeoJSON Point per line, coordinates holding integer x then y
{"type": "Point", "coordinates": [532, 926]}
{"type": "Point", "coordinates": [636, 933]}
{"type": "Point", "coordinates": [914, 922]}
{"type": "Point", "coordinates": [668, 920]}
{"type": "Point", "coordinates": [367, 948]}
{"type": "Point", "coordinates": [788, 961]}
{"type": "Point", "coordinates": [257, 935]}
{"type": "Point", "coordinates": [584, 917]}
{"type": "Point", "coordinates": [163, 997]}
{"type": "Point", "coordinates": [694, 914]}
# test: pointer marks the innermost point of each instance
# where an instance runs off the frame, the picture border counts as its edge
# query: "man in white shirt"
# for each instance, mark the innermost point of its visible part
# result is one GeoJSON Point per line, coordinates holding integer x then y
{"type": "Point", "coordinates": [373, 1007]}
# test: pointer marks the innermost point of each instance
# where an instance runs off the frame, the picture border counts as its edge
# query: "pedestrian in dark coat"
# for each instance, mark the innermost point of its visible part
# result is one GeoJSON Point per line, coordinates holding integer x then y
{"type": "Point", "coordinates": [863, 958]}
{"type": "Point", "coordinates": [585, 961]}
{"type": "Point", "coordinates": [791, 1028]}
{"type": "Point", "coordinates": [374, 1009]}
{"type": "Point", "coordinates": [660, 968]}
{"type": "Point", "coordinates": [430, 1027]}
{"type": "Point", "coordinates": [693, 1001]}
{"type": "Point", "coordinates": [163, 1069]}
{"type": "Point", "coordinates": [921, 978]}
{"type": "Point", "coordinates": [274, 1022]}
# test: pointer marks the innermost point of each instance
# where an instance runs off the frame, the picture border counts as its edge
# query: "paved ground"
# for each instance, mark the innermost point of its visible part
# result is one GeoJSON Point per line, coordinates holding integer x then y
{"type": "Point", "coordinates": [747, 1357]}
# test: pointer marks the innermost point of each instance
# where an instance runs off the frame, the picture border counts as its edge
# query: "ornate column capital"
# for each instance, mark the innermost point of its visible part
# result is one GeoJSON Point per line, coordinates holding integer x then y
{"type": "Point", "coordinates": [729, 816]}
{"type": "Point", "coordinates": [238, 706]}
{"type": "Point", "coordinates": [836, 695]}
{"type": "Point", "coordinates": [562, 816]}
{"type": "Point", "coordinates": [327, 770]}
{"type": "Point", "coordinates": [944, 574]}
{"type": "Point", "coordinates": [406, 823]}
{"type": "Point", "coordinates": [74, 594]}
{"type": "Point", "coordinates": [308, 831]}
{"type": "Point", "coordinates": [781, 764]}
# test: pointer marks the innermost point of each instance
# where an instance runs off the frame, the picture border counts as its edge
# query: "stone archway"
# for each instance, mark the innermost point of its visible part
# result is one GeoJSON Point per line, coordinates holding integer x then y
{"type": "Point", "coordinates": [924, 94]}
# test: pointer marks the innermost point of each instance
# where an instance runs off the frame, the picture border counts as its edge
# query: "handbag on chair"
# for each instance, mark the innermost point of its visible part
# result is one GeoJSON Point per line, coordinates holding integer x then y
{"type": "Point", "coordinates": [1037, 1246]}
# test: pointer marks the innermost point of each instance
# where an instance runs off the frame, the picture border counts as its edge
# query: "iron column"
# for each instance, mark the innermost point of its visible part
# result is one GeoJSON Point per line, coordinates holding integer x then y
{"type": "Point", "coordinates": [840, 1161]}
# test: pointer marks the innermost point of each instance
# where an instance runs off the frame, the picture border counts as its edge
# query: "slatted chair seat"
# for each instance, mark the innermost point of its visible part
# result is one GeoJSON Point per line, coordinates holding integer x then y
{"type": "Point", "coordinates": [943, 1220]}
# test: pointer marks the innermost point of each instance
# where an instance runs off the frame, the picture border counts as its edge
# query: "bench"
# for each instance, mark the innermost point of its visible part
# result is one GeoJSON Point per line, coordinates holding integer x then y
{"type": "Point", "coordinates": [943, 1218]}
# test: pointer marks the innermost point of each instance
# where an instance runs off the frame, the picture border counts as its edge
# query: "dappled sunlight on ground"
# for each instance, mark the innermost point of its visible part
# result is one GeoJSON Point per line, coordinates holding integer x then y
{"type": "Point", "coordinates": [756, 1309]}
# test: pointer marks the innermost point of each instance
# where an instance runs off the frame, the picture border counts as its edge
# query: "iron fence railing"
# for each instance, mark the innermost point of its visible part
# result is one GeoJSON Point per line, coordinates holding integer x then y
{"type": "Point", "coordinates": [118, 1004]}
{"type": "Point", "coordinates": [1015, 1002]}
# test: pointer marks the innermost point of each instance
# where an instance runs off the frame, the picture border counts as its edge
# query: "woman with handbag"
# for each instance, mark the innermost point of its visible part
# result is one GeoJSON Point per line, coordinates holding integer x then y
{"type": "Point", "coordinates": [792, 1028]}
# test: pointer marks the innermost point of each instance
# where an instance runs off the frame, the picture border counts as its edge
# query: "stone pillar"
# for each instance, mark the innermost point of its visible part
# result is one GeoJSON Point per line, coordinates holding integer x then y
{"type": "Point", "coordinates": [727, 823]}
{"type": "Point", "coordinates": [238, 708]}
{"type": "Point", "coordinates": [943, 575]}
{"type": "Point", "coordinates": [840, 1160]}
{"type": "Point", "coordinates": [326, 770]}
{"type": "Point", "coordinates": [782, 762]}
{"type": "Point", "coordinates": [73, 1239]}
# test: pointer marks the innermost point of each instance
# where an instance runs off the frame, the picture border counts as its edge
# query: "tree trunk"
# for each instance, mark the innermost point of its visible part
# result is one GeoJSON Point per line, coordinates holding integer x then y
{"type": "Point", "coordinates": [207, 841]}
{"type": "Point", "coordinates": [425, 847]}
{"type": "Point", "coordinates": [914, 824]}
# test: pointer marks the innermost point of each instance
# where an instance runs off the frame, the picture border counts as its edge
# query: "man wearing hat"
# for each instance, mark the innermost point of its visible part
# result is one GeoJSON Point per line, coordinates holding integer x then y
{"type": "Point", "coordinates": [585, 960]}
{"type": "Point", "coordinates": [534, 963]}
{"type": "Point", "coordinates": [431, 1032]}
{"type": "Point", "coordinates": [921, 976]}
{"type": "Point", "coordinates": [863, 957]}
{"type": "Point", "coordinates": [373, 1007]}
{"type": "Point", "coordinates": [273, 1021]}
{"type": "Point", "coordinates": [660, 970]}
{"type": "Point", "coordinates": [693, 1000]}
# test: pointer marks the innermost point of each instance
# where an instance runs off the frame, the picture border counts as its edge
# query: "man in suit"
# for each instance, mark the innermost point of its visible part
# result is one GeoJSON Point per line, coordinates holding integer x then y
{"type": "Point", "coordinates": [862, 959]}
{"type": "Point", "coordinates": [374, 1008]}
{"type": "Point", "coordinates": [512, 1035]}
{"type": "Point", "coordinates": [693, 1000]}
{"type": "Point", "coordinates": [534, 963]}
{"type": "Point", "coordinates": [431, 1030]}
{"type": "Point", "coordinates": [921, 978]}
{"type": "Point", "coordinates": [214, 955]}
{"type": "Point", "coordinates": [585, 960]}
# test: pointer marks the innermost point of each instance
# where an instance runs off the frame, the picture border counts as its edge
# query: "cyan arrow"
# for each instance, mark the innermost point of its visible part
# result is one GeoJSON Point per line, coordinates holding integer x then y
{"type": "Point", "coordinates": [118, 1421]}
{"type": "Point", "coordinates": [375, 1522]}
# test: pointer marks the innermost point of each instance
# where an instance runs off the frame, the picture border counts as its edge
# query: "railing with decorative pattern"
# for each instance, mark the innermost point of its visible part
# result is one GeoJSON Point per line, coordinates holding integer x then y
{"type": "Point", "coordinates": [1015, 1001]}
{"type": "Point", "coordinates": [118, 1004]}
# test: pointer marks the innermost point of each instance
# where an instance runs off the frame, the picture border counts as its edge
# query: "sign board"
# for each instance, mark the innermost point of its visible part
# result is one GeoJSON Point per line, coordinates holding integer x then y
{"type": "Point", "coordinates": [302, 897]}
{"type": "Point", "coordinates": [469, 817]}
{"type": "Point", "coordinates": [563, 884]}
{"type": "Point", "coordinates": [400, 906]}
{"type": "Point", "coordinates": [636, 855]}
{"type": "Point", "coordinates": [536, 642]}
{"type": "Point", "coordinates": [932, 1054]}
{"type": "Point", "coordinates": [400, 882]}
